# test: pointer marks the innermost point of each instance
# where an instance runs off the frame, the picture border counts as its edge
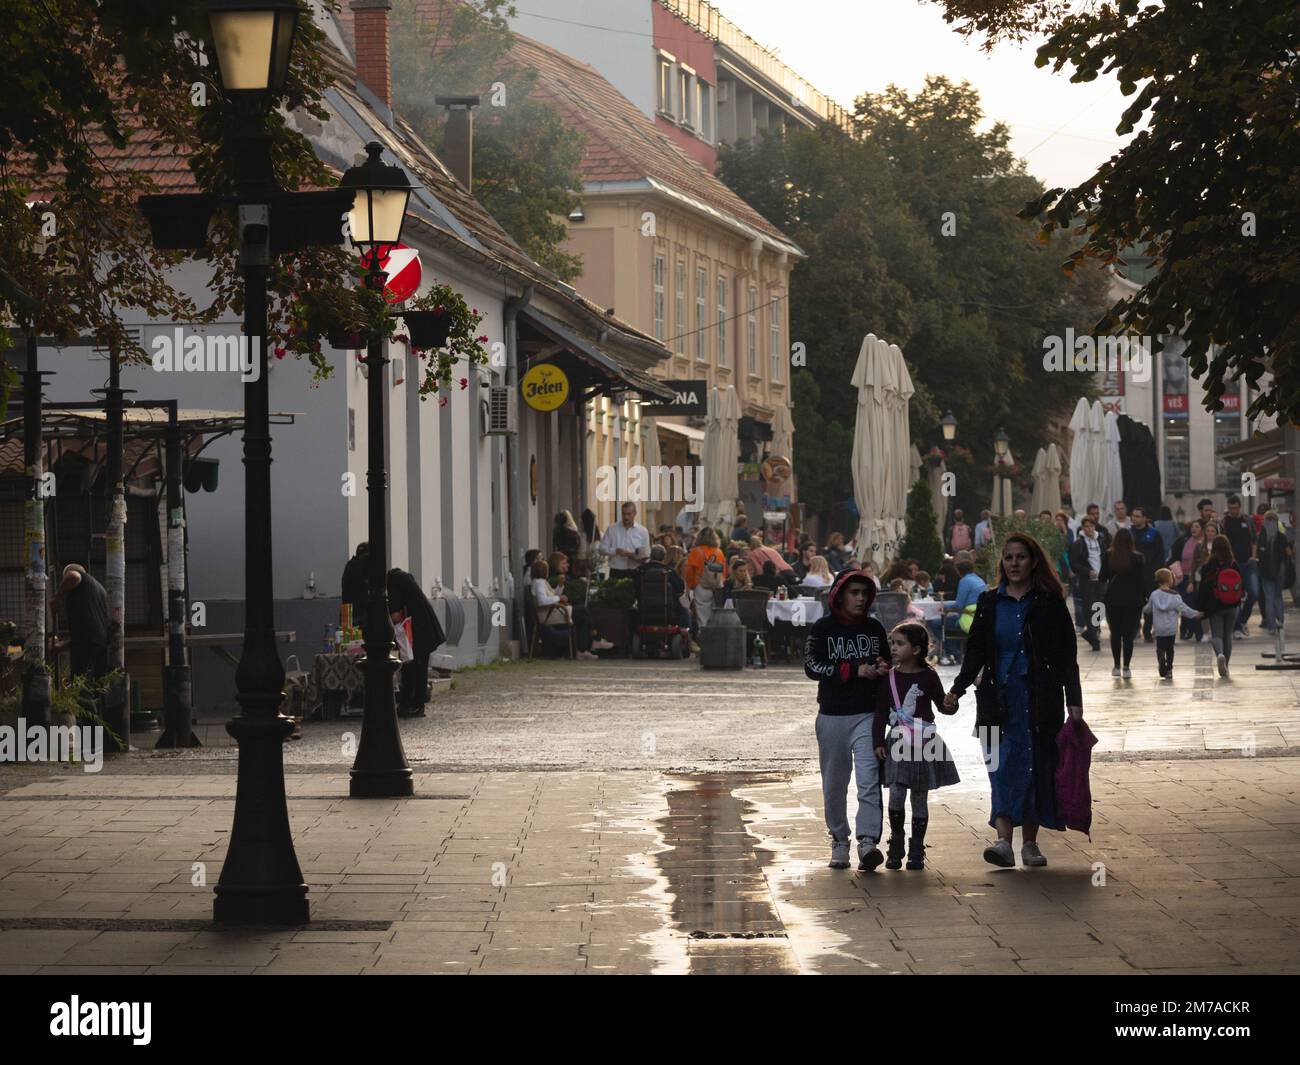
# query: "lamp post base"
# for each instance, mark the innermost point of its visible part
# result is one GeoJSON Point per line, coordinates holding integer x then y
{"type": "Point", "coordinates": [382, 784]}
{"type": "Point", "coordinates": [261, 881]}
{"type": "Point", "coordinates": [380, 771]}
{"type": "Point", "coordinates": [261, 906]}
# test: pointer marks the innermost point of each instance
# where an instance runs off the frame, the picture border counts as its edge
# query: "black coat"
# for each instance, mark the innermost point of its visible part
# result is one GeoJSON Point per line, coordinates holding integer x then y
{"type": "Point", "coordinates": [1078, 554]}
{"type": "Point", "coordinates": [1126, 590]}
{"type": "Point", "coordinates": [355, 586]}
{"type": "Point", "coordinates": [405, 594]}
{"type": "Point", "coordinates": [1053, 666]}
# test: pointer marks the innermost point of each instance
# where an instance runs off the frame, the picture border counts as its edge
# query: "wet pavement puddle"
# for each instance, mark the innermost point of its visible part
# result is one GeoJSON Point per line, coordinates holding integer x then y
{"type": "Point", "coordinates": [719, 899]}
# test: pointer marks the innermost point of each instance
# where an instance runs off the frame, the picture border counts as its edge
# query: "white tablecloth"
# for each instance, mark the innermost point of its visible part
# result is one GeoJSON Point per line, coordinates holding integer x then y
{"type": "Point", "coordinates": [795, 611]}
{"type": "Point", "coordinates": [932, 608]}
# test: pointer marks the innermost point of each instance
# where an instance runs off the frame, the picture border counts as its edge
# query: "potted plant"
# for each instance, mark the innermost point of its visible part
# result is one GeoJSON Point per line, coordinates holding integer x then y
{"type": "Point", "coordinates": [610, 606]}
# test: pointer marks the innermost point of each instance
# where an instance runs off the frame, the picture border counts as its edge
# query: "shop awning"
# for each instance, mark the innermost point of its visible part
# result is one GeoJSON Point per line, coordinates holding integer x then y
{"type": "Point", "coordinates": [682, 430]}
{"type": "Point", "coordinates": [597, 372]}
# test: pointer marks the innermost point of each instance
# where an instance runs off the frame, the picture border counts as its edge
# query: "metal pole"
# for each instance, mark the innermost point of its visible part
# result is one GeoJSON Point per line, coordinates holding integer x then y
{"type": "Point", "coordinates": [177, 710]}
{"type": "Point", "coordinates": [261, 882]}
{"type": "Point", "coordinates": [380, 770]}
{"type": "Point", "coordinates": [117, 711]}
{"type": "Point", "coordinates": [36, 676]}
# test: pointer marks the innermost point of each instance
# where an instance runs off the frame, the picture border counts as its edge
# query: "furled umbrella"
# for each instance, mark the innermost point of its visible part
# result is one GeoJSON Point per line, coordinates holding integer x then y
{"type": "Point", "coordinates": [721, 453]}
{"type": "Point", "coordinates": [1114, 468]}
{"type": "Point", "coordinates": [868, 448]}
{"type": "Point", "coordinates": [651, 459]}
{"type": "Point", "coordinates": [900, 392]}
{"type": "Point", "coordinates": [1037, 473]}
{"type": "Point", "coordinates": [1052, 480]}
{"type": "Point", "coordinates": [1081, 457]}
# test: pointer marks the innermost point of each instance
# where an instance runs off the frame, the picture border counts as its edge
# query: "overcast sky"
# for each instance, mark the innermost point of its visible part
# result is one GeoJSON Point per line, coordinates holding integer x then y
{"type": "Point", "coordinates": [847, 47]}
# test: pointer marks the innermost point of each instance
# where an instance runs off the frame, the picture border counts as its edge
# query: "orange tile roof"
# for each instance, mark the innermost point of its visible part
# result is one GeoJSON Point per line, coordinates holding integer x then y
{"type": "Point", "coordinates": [623, 144]}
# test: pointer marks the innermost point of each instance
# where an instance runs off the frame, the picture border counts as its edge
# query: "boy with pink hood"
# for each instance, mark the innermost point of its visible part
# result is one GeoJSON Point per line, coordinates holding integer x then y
{"type": "Point", "coordinates": [848, 654]}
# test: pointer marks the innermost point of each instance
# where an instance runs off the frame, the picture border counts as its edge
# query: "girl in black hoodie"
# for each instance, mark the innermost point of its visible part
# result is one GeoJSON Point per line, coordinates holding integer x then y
{"type": "Point", "coordinates": [847, 655]}
{"type": "Point", "coordinates": [1124, 568]}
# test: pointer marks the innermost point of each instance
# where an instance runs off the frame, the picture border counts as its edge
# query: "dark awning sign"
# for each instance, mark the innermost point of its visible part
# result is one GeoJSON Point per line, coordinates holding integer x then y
{"type": "Point", "coordinates": [689, 397]}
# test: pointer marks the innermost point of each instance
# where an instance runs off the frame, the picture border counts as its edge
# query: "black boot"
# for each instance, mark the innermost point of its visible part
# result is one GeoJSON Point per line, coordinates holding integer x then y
{"type": "Point", "coordinates": [897, 837]}
{"type": "Point", "coordinates": [916, 845]}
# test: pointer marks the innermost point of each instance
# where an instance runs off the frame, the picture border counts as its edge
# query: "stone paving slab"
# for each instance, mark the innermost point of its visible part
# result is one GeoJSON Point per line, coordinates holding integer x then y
{"type": "Point", "coordinates": [600, 890]}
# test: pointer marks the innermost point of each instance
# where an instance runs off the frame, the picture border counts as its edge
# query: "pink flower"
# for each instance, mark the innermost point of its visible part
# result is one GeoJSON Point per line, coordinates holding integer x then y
{"type": "Point", "coordinates": [279, 353]}
{"type": "Point", "coordinates": [464, 383]}
{"type": "Point", "coordinates": [443, 401]}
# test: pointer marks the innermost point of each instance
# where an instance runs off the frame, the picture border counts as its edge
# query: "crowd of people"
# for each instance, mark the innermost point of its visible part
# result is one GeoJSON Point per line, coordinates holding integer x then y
{"type": "Point", "coordinates": [1135, 571]}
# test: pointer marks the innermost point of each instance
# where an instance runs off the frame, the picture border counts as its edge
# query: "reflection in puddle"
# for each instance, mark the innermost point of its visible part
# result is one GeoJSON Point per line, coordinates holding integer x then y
{"type": "Point", "coordinates": [720, 903]}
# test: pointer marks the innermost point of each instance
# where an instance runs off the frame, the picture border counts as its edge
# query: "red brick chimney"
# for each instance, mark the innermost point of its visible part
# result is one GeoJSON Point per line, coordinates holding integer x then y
{"type": "Point", "coordinates": [370, 29]}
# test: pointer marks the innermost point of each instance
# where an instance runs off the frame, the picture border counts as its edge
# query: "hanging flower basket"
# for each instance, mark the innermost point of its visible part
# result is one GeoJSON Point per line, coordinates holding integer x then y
{"type": "Point", "coordinates": [345, 340]}
{"type": "Point", "coordinates": [935, 456]}
{"type": "Point", "coordinates": [428, 330]}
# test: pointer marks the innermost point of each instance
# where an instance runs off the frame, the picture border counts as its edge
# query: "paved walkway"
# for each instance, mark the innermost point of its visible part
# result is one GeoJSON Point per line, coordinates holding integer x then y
{"type": "Point", "coordinates": [624, 817]}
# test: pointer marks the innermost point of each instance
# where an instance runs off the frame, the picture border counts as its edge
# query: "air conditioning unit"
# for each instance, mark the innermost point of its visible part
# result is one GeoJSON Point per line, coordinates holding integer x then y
{"type": "Point", "coordinates": [501, 414]}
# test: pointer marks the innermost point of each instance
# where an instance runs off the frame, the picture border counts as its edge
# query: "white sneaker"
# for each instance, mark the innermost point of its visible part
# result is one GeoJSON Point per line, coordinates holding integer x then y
{"type": "Point", "coordinates": [1222, 663]}
{"type": "Point", "coordinates": [1205, 639]}
{"type": "Point", "coordinates": [1001, 854]}
{"type": "Point", "coordinates": [1126, 673]}
{"type": "Point", "coordinates": [601, 645]}
{"type": "Point", "coordinates": [1115, 672]}
{"type": "Point", "coordinates": [1030, 855]}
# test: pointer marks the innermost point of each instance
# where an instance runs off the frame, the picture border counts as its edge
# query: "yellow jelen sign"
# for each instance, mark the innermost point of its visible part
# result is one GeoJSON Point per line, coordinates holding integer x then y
{"type": "Point", "coordinates": [545, 387]}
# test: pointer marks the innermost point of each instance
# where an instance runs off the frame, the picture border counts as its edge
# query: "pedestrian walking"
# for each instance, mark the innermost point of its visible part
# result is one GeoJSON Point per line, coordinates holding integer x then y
{"type": "Point", "coordinates": [1239, 528]}
{"type": "Point", "coordinates": [1189, 554]}
{"type": "Point", "coordinates": [1085, 561]}
{"type": "Point", "coordinates": [407, 600]}
{"type": "Point", "coordinates": [1124, 572]}
{"type": "Point", "coordinates": [847, 655]}
{"type": "Point", "coordinates": [915, 758]}
{"type": "Point", "coordinates": [1276, 569]}
{"type": "Point", "coordinates": [1219, 598]}
{"type": "Point", "coordinates": [1165, 607]}
{"type": "Point", "coordinates": [1146, 540]}
{"type": "Point", "coordinates": [1023, 643]}
{"type": "Point", "coordinates": [960, 537]}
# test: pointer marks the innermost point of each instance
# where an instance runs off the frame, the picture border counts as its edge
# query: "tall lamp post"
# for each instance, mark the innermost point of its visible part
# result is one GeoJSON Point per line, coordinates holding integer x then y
{"type": "Point", "coordinates": [261, 881]}
{"type": "Point", "coordinates": [379, 209]}
{"type": "Point", "coordinates": [949, 426]}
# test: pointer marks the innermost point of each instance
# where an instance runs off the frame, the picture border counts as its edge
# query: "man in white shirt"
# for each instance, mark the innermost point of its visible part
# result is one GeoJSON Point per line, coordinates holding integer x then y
{"type": "Point", "coordinates": [984, 529]}
{"type": "Point", "coordinates": [1121, 519]}
{"type": "Point", "coordinates": [627, 545]}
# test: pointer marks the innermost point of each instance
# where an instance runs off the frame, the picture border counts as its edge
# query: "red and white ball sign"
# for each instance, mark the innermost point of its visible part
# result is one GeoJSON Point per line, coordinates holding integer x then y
{"type": "Point", "coordinates": [402, 267]}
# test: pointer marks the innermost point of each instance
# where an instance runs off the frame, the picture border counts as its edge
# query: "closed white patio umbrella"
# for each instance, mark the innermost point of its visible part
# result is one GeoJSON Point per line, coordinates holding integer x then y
{"type": "Point", "coordinates": [782, 433]}
{"type": "Point", "coordinates": [1081, 487]}
{"type": "Point", "coordinates": [869, 427]}
{"type": "Point", "coordinates": [899, 392]}
{"type": "Point", "coordinates": [1052, 480]}
{"type": "Point", "coordinates": [720, 454]}
{"type": "Point", "coordinates": [655, 512]}
{"type": "Point", "coordinates": [1114, 471]}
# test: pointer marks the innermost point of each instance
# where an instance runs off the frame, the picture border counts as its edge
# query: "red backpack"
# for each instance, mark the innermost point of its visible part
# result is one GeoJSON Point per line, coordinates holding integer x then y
{"type": "Point", "coordinates": [1227, 586]}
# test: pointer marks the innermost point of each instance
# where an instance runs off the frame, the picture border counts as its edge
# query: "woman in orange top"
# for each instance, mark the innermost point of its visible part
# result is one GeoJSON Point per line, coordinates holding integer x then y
{"type": "Point", "coordinates": [706, 570]}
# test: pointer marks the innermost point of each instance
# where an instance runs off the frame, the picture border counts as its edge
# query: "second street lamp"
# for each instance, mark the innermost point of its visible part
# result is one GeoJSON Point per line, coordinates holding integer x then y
{"type": "Point", "coordinates": [949, 425]}
{"type": "Point", "coordinates": [380, 771]}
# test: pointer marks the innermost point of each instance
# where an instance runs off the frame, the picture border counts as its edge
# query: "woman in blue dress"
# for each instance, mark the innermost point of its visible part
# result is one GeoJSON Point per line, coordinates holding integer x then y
{"type": "Point", "coordinates": [1022, 649]}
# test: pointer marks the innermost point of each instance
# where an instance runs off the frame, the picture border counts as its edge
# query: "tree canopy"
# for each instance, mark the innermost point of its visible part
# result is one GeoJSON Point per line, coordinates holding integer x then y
{"type": "Point", "coordinates": [1209, 185]}
{"type": "Point", "coordinates": [911, 232]}
{"type": "Point", "coordinates": [526, 156]}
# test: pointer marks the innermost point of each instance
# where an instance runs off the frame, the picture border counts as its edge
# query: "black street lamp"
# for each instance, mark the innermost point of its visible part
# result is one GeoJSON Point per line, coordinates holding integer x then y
{"type": "Point", "coordinates": [380, 771]}
{"type": "Point", "coordinates": [261, 881]}
{"type": "Point", "coordinates": [1001, 442]}
{"type": "Point", "coordinates": [949, 425]}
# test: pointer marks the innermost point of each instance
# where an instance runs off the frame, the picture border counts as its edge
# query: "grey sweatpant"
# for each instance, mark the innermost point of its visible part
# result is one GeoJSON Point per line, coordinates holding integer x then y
{"type": "Point", "coordinates": [844, 746]}
{"type": "Point", "coordinates": [1221, 623]}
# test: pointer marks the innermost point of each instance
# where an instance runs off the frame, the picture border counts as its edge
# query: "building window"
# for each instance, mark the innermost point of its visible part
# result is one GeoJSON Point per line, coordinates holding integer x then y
{"type": "Point", "coordinates": [701, 311]}
{"type": "Point", "coordinates": [1178, 457]}
{"type": "Point", "coordinates": [1227, 433]}
{"type": "Point", "coordinates": [751, 331]}
{"type": "Point", "coordinates": [659, 297]}
{"type": "Point", "coordinates": [774, 336]}
{"type": "Point", "coordinates": [704, 109]}
{"type": "Point", "coordinates": [679, 298]}
{"type": "Point", "coordinates": [665, 83]}
{"type": "Point", "coordinates": [686, 96]}
{"type": "Point", "coordinates": [722, 319]}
